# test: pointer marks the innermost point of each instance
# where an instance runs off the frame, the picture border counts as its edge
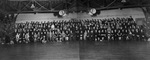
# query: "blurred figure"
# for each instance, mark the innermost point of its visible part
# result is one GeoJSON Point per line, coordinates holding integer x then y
{"type": "Point", "coordinates": [85, 35]}
{"type": "Point", "coordinates": [27, 38]}
{"type": "Point", "coordinates": [17, 37]}
{"type": "Point", "coordinates": [43, 39]}
{"type": "Point", "coordinates": [35, 37]}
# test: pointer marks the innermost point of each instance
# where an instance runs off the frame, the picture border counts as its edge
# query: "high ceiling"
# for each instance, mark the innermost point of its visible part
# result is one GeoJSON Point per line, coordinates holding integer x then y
{"type": "Point", "coordinates": [17, 6]}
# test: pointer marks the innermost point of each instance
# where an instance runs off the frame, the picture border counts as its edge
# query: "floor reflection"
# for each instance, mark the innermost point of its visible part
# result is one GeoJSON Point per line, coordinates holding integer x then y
{"type": "Point", "coordinates": [38, 51]}
{"type": "Point", "coordinates": [115, 50]}
{"type": "Point", "coordinates": [77, 51]}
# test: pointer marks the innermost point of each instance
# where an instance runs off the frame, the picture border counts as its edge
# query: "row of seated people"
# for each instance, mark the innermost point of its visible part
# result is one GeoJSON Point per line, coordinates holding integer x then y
{"type": "Point", "coordinates": [94, 30]}
{"type": "Point", "coordinates": [43, 37]}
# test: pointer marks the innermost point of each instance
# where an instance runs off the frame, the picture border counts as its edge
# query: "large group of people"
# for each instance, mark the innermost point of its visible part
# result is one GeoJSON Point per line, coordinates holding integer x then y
{"type": "Point", "coordinates": [112, 29]}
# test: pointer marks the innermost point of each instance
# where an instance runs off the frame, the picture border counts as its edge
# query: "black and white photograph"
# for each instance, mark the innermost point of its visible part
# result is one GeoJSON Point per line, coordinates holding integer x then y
{"type": "Point", "coordinates": [74, 29]}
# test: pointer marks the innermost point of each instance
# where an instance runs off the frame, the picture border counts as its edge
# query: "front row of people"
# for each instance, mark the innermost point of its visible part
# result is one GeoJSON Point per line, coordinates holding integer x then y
{"type": "Point", "coordinates": [42, 37]}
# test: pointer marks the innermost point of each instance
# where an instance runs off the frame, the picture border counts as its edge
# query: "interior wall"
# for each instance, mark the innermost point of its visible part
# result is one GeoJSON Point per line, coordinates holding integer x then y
{"type": "Point", "coordinates": [134, 12]}
{"type": "Point", "coordinates": [41, 17]}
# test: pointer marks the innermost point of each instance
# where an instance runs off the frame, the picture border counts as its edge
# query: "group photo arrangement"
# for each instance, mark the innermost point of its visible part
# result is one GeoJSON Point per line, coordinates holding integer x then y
{"type": "Point", "coordinates": [112, 29]}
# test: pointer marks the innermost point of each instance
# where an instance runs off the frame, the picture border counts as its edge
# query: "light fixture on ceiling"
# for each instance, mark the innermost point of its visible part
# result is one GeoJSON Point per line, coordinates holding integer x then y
{"type": "Point", "coordinates": [92, 11]}
{"type": "Point", "coordinates": [62, 13]}
{"type": "Point", "coordinates": [32, 6]}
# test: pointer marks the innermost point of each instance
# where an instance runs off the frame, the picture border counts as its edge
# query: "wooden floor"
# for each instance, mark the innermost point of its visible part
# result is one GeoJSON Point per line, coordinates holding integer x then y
{"type": "Point", "coordinates": [38, 51]}
{"type": "Point", "coordinates": [115, 51]}
{"type": "Point", "coordinates": [77, 51]}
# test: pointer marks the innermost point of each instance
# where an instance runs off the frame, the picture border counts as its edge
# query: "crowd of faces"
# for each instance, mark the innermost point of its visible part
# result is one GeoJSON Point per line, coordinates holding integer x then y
{"type": "Point", "coordinates": [111, 29]}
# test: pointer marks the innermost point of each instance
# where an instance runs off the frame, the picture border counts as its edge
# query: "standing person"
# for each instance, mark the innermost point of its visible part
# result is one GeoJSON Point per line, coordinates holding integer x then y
{"type": "Point", "coordinates": [41, 36]}
{"type": "Point", "coordinates": [58, 34]}
{"type": "Point", "coordinates": [63, 35]}
{"type": "Point", "coordinates": [24, 38]}
{"type": "Point", "coordinates": [27, 38]}
{"type": "Point", "coordinates": [67, 35]}
{"type": "Point", "coordinates": [21, 38]}
{"type": "Point", "coordinates": [50, 35]}
{"type": "Point", "coordinates": [85, 35]}
{"type": "Point", "coordinates": [53, 36]}
{"type": "Point", "coordinates": [35, 37]}
{"type": "Point", "coordinates": [31, 36]}
{"type": "Point", "coordinates": [99, 34]}
{"type": "Point", "coordinates": [71, 36]}
{"type": "Point", "coordinates": [43, 40]}
{"type": "Point", "coordinates": [77, 33]}
{"type": "Point", "coordinates": [108, 33]}
{"type": "Point", "coordinates": [17, 37]}
{"type": "Point", "coordinates": [38, 36]}
{"type": "Point", "coordinates": [81, 32]}
{"type": "Point", "coordinates": [53, 27]}
{"type": "Point", "coordinates": [88, 35]}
